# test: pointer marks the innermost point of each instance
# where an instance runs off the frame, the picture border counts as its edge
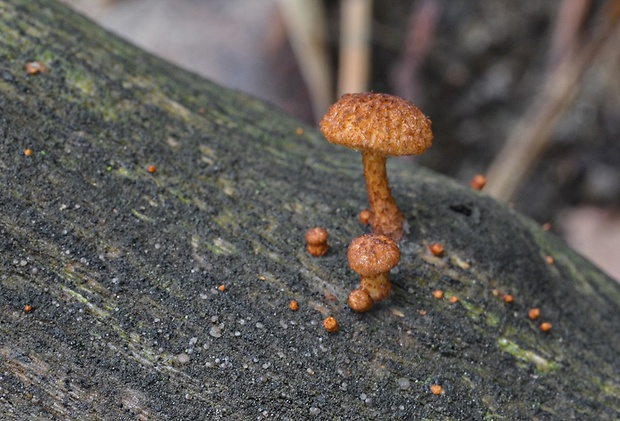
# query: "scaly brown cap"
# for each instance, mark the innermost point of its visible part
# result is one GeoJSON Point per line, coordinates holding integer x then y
{"type": "Point", "coordinates": [373, 254]}
{"type": "Point", "coordinates": [378, 123]}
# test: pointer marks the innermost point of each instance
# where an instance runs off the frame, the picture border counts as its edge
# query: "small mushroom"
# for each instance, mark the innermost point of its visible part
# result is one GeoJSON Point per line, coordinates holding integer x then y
{"type": "Point", "coordinates": [378, 125]}
{"type": "Point", "coordinates": [316, 241]}
{"type": "Point", "coordinates": [372, 256]}
{"type": "Point", "coordinates": [360, 301]}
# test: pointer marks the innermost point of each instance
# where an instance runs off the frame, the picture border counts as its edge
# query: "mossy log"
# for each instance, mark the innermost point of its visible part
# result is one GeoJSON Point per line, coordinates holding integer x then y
{"type": "Point", "coordinates": [128, 293]}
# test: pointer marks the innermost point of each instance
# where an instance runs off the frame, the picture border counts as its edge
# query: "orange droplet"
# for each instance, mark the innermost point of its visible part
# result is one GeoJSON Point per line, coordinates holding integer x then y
{"type": "Point", "coordinates": [151, 169]}
{"type": "Point", "coordinates": [508, 298]}
{"type": "Point", "coordinates": [545, 326]}
{"type": "Point", "coordinates": [35, 67]}
{"type": "Point", "coordinates": [478, 182]}
{"type": "Point", "coordinates": [534, 313]}
{"type": "Point", "coordinates": [222, 288]}
{"type": "Point", "coordinates": [454, 299]}
{"type": "Point", "coordinates": [436, 389]}
{"type": "Point", "coordinates": [436, 249]}
{"type": "Point", "coordinates": [438, 294]}
{"type": "Point", "coordinates": [28, 152]}
{"type": "Point", "coordinates": [331, 324]}
{"type": "Point", "coordinates": [27, 308]}
{"type": "Point", "coordinates": [293, 305]}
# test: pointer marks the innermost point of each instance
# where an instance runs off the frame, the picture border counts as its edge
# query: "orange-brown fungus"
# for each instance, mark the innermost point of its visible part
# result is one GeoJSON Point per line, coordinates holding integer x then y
{"type": "Point", "coordinates": [331, 324]}
{"type": "Point", "coordinates": [151, 168]}
{"type": "Point", "coordinates": [438, 294]}
{"type": "Point", "coordinates": [27, 308]}
{"type": "Point", "coordinates": [550, 260]}
{"type": "Point", "coordinates": [478, 182]}
{"type": "Point", "coordinates": [378, 125]}
{"type": "Point", "coordinates": [316, 241]}
{"type": "Point", "coordinates": [364, 217]}
{"type": "Point", "coordinates": [360, 300]}
{"type": "Point", "coordinates": [454, 299]}
{"type": "Point", "coordinates": [372, 256]}
{"type": "Point", "coordinates": [28, 152]}
{"type": "Point", "coordinates": [534, 313]}
{"type": "Point", "coordinates": [293, 305]}
{"type": "Point", "coordinates": [545, 326]}
{"type": "Point", "coordinates": [436, 249]}
{"type": "Point", "coordinates": [35, 67]}
{"type": "Point", "coordinates": [508, 298]}
{"type": "Point", "coordinates": [436, 389]}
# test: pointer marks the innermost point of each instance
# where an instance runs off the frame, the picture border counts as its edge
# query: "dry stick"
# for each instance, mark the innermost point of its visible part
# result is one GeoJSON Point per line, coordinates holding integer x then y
{"type": "Point", "coordinates": [532, 134]}
{"type": "Point", "coordinates": [354, 66]}
{"type": "Point", "coordinates": [305, 21]}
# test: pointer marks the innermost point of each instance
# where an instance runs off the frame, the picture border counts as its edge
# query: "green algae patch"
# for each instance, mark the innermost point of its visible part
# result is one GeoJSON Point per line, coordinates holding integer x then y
{"type": "Point", "coordinates": [542, 364]}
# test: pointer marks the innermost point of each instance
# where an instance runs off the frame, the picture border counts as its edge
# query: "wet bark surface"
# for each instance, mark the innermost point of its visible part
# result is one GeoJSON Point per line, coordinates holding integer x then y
{"type": "Point", "coordinates": [164, 294]}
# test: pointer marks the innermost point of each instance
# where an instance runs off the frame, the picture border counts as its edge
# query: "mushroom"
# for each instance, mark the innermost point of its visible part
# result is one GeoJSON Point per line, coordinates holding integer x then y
{"type": "Point", "coordinates": [378, 125]}
{"type": "Point", "coordinates": [372, 256]}
{"type": "Point", "coordinates": [316, 241]}
{"type": "Point", "coordinates": [360, 300]}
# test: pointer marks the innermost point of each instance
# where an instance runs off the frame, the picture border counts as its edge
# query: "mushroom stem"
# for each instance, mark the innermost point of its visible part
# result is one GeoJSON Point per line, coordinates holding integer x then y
{"type": "Point", "coordinates": [386, 218]}
{"type": "Point", "coordinates": [378, 287]}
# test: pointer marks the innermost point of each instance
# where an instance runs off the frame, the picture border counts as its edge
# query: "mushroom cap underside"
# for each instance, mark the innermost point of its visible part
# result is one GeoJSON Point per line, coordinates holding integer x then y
{"type": "Point", "coordinates": [378, 123]}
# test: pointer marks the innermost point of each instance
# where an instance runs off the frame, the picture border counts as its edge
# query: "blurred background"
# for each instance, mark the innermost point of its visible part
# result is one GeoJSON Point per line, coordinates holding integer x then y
{"type": "Point", "coordinates": [525, 92]}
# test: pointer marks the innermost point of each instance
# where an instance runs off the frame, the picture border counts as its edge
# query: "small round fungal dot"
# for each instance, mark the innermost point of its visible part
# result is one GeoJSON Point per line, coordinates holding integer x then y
{"type": "Point", "coordinates": [454, 299]}
{"type": "Point", "coordinates": [331, 324]}
{"type": "Point", "coordinates": [299, 131]}
{"type": "Point", "coordinates": [508, 298]}
{"type": "Point", "coordinates": [293, 305]}
{"type": "Point", "coordinates": [364, 217]}
{"type": "Point", "coordinates": [222, 288]}
{"type": "Point", "coordinates": [28, 152]}
{"type": "Point", "coordinates": [151, 169]}
{"type": "Point", "coordinates": [534, 313]}
{"type": "Point", "coordinates": [436, 389]}
{"type": "Point", "coordinates": [438, 294]}
{"type": "Point", "coordinates": [478, 182]}
{"type": "Point", "coordinates": [550, 260]}
{"type": "Point", "coordinates": [35, 67]}
{"type": "Point", "coordinates": [360, 301]}
{"type": "Point", "coordinates": [27, 308]}
{"type": "Point", "coordinates": [545, 326]}
{"type": "Point", "coordinates": [436, 249]}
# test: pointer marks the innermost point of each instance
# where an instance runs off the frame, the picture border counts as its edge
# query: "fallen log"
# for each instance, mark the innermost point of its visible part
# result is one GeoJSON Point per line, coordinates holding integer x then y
{"type": "Point", "coordinates": [151, 240]}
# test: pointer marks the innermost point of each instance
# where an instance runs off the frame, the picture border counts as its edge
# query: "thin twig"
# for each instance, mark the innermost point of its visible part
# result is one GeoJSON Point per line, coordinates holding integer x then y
{"type": "Point", "coordinates": [532, 134]}
{"type": "Point", "coordinates": [355, 30]}
{"type": "Point", "coordinates": [305, 21]}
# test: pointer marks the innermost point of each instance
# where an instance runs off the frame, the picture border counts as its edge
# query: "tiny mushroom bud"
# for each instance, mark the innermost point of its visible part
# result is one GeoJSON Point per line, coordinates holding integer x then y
{"type": "Point", "coordinates": [364, 216]}
{"type": "Point", "coordinates": [478, 182]}
{"type": "Point", "coordinates": [316, 239]}
{"type": "Point", "coordinates": [545, 326]}
{"type": "Point", "coordinates": [438, 294]}
{"type": "Point", "coordinates": [436, 249]}
{"type": "Point", "coordinates": [360, 300]}
{"type": "Point", "coordinates": [372, 256]}
{"type": "Point", "coordinates": [378, 125]}
{"type": "Point", "coordinates": [331, 324]}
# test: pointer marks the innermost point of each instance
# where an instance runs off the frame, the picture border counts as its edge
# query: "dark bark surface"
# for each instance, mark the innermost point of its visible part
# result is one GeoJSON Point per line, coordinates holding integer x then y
{"type": "Point", "coordinates": [122, 266]}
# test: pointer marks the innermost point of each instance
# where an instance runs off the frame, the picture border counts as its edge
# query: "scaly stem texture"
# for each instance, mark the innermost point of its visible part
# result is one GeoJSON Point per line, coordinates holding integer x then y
{"type": "Point", "coordinates": [386, 218]}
